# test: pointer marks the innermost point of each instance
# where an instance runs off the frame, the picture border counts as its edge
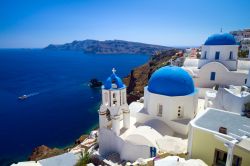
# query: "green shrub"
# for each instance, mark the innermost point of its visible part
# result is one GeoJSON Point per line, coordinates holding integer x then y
{"type": "Point", "coordinates": [84, 159]}
{"type": "Point", "coordinates": [243, 54]}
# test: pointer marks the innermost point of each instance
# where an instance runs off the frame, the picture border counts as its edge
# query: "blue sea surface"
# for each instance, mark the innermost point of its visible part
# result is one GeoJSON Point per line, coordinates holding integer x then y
{"type": "Point", "coordinates": [61, 106]}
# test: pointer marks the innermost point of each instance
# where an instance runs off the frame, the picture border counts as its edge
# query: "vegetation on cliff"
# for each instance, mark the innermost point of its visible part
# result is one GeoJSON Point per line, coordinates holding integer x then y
{"type": "Point", "coordinates": [42, 152]}
{"type": "Point", "coordinates": [84, 159]}
{"type": "Point", "coordinates": [139, 76]}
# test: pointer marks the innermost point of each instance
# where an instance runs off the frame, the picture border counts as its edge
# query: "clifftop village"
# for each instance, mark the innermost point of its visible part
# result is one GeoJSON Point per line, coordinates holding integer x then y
{"type": "Point", "coordinates": [194, 112]}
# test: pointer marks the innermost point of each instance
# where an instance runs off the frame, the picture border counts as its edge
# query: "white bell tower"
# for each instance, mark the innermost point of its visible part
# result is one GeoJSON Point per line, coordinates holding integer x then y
{"type": "Point", "coordinates": [114, 107]}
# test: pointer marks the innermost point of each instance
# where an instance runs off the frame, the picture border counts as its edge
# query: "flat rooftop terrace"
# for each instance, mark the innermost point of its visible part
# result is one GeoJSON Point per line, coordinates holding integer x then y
{"type": "Point", "coordinates": [212, 119]}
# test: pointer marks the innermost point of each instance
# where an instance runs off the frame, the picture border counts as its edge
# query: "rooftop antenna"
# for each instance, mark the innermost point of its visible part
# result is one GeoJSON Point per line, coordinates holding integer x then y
{"type": "Point", "coordinates": [113, 70]}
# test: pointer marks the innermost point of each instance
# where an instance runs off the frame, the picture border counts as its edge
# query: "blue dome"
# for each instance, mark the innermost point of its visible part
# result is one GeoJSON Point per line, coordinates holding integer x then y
{"type": "Point", "coordinates": [171, 81]}
{"type": "Point", "coordinates": [221, 39]}
{"type": "Point", "coordinates": [113, 79]}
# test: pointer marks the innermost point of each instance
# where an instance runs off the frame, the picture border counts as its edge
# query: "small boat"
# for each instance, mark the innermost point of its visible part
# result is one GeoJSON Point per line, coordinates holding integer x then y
{"type": "Point", "coordinates": [22, 97]}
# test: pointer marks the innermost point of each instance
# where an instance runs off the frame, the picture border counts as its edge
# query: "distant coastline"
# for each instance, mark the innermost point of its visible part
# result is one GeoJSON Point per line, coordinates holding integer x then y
{"type": "Point", "coordinates": [109, 47]}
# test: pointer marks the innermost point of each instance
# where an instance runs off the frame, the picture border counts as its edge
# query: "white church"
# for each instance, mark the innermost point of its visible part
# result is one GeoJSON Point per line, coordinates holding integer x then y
{"type": "Point", "coordinates": [219, 64]}
{"type": "Point", "coordinates": [141, 129]}
{"type": "Point", "coordinates": [159, 121]}
{"type": "Point", "coordinates": [220, 67]}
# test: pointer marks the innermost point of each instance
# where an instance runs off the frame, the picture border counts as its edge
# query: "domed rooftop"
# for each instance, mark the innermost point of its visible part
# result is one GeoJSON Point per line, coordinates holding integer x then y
{"type": "Point", "coordinates": [171, 81]}
{"type": "Point", "coordinates": [113, 82]}
{"type": "Point", "coordinates": [220, 39]}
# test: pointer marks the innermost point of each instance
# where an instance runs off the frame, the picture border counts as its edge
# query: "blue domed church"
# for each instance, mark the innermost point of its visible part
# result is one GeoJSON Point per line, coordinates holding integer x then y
{"type": "Point", "coordinates": [219, 64]}
{"type": "Point", "coordinates": [151, 124]}
{"type": "Point", "coordinates": [171, 95]}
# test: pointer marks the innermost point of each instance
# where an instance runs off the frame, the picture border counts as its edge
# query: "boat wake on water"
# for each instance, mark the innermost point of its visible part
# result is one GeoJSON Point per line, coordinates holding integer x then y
{"type": "Point", "coordinates": [28, 95]}
{"type": "Point", "coordinates": [33, 94]}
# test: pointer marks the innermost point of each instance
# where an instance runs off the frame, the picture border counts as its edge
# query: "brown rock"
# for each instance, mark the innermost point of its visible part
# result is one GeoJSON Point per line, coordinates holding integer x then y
{"type": "Point", "coordinates": [139, 76]}
{"type": "Point", "coordinates": [43, 151]}
{"type": "Point", "coordinates": [80, 139]}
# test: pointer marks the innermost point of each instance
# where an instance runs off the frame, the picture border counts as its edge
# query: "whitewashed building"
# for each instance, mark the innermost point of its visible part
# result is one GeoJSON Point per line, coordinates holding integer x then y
{"type": "Point", "coordinates": [158, 122]}
{"type": "Point", "coordinates": [219, 64]}
{"type": "Point", "coordinates": [219, 67]}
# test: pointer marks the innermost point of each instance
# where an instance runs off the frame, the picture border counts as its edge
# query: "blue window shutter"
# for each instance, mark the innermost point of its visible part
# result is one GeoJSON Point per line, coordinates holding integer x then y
{"type": "Point", "coordinates": [212, 76]}
{"type": "Point", "coordinates": [217, 55]}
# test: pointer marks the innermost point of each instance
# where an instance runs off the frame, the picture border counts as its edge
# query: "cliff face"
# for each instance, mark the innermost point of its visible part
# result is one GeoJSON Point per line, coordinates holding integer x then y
{"type": "Point", "coordinates": [42, 152]}
{"type": "Point", "coordinates": [109, 47]}
{"type": "Point", "coordinates": [139, 76]}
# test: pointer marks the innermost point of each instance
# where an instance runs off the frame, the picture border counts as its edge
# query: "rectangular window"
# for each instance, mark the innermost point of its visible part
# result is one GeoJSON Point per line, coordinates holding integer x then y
{"type": "Point", "coordinates": [205, 55]}
{"type": "Point", "coordinates": [231, 55]}
{"type": "Point", "coordinates": [160, 108]}
{"type": "Point", "coordinates": [212, 76]}
{"type": "Point", "coordinates": [220, 158]}
{"type": "Point", "coordinates": [217, 55]}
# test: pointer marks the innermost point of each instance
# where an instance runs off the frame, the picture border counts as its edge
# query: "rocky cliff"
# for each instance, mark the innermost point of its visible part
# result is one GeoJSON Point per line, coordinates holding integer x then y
{"type": "Point", "coordinates": [139, 76]}
{"type": "Point", "coordinates": [42, 152]}
{"type": "Point", "coordinates": [109, 47]}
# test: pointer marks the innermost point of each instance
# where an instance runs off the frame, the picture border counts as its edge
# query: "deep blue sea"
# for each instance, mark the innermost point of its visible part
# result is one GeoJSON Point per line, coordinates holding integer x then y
{"type": "Point", "coordinates": [61, 106]}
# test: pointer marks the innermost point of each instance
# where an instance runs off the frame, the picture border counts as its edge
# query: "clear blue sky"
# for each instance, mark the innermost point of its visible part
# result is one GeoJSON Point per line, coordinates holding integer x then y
{"type": "Point", "coordinates": [35, 24]}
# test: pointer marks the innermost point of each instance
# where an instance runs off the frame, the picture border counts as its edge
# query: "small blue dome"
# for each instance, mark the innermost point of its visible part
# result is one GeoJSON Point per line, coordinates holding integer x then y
{"type": "Point", "coordinates": [221, 39]}
{"type": "Point", "coordinates": [113, 79]}
{"type": "Point", "coordinates": [171, 81]}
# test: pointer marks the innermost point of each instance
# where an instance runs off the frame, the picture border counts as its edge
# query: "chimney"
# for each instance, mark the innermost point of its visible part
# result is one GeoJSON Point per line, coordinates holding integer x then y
{"type": "Point", "coordinates": [223, 130]}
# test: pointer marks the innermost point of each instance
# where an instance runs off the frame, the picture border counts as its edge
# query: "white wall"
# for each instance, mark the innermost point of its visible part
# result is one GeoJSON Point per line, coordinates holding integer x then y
{"type": "Point", "coordinates": [229, 64]}
{"type": "Point", "coordinates": [175, 126]}
{"type": "Point", "coordinates": [224, 55]}
{"type": "Point", "coordinates": [170, 105]}
{"type": "Point", "coordinates": [223, 76]}
{"type": "Point", "coordinates": [230, 102]}
{"type": "Point", "coordinates": [110, 143]}
{"type": "Point", "coordinates": [202, 92]}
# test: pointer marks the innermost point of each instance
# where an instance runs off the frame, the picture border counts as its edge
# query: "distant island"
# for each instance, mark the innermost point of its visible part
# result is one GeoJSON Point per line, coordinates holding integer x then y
{"type": "Point", "coordinates": [109, 47]}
